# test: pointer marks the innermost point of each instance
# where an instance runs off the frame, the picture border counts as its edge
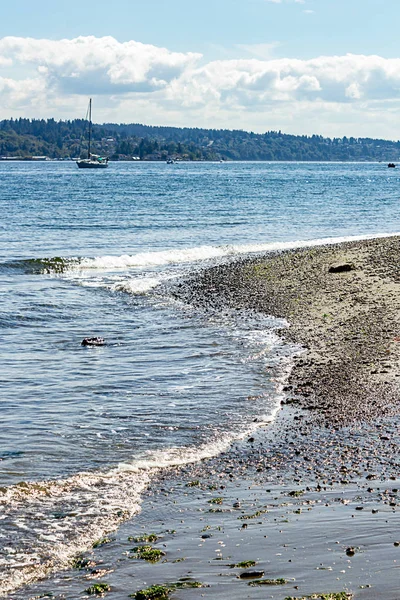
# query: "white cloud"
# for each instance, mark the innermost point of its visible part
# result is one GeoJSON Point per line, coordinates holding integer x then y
{"type": "Point", "coordinates": [133, 81]}
{"type": "Point", "coordinates": [97, 63]}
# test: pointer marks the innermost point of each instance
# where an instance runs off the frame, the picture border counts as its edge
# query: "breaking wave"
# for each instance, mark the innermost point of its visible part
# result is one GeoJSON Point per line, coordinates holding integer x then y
{"type": "Point", "coordinates": [174, 256]}
{"type": "Point", "coordinates": [45, 525]}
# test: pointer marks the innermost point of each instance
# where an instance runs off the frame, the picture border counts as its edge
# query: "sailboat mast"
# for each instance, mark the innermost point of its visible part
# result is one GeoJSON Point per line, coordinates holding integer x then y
{"type": "Point", "coordinates": [90, 124]}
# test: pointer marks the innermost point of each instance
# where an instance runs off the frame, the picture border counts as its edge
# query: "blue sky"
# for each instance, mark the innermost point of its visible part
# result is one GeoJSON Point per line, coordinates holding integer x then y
{"type": "Point", "coordinates": [258, 64]}
{"type": "Point", "coordinates": [212, 26]}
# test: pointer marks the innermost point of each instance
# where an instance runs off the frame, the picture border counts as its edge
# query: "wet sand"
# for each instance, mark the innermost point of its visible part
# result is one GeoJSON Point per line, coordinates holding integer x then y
{"type": "Point", "coordinates": [348, 321]}
{"type": "Point", "coordinates": [312, 500]}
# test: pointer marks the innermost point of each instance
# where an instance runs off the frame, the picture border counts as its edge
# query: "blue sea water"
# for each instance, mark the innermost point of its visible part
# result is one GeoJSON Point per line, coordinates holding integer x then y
{"type": "Point", "coordinates": [87, 253]}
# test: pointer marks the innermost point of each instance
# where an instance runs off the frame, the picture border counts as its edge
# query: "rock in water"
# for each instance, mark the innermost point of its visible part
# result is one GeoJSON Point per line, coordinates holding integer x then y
{"type": "Point", "coordinates": [94, 341]}
{"type": "Point", "coordinates": [251, 575]}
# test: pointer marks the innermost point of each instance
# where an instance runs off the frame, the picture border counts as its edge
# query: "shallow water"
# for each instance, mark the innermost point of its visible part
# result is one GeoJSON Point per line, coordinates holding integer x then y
{"type": "Point", "coordinates": [88, 253]}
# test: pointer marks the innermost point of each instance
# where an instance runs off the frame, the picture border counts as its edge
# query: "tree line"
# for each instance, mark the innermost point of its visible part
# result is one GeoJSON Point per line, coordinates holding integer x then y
{"type": "Point", "coordinates": [25, 138]}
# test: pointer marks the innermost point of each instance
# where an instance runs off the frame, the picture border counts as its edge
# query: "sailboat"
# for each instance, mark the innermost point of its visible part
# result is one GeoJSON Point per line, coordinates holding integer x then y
{"type": "Point", "coordinates": [93, 161]}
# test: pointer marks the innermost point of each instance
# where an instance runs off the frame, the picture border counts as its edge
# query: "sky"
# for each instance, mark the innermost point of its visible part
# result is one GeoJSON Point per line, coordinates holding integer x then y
{"type": "Point", "coordinates": [327, 67]}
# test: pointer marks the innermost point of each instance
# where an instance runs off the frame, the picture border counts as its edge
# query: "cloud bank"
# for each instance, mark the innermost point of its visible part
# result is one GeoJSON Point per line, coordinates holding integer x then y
{"type": "Point", "coordinates": [140, 82]}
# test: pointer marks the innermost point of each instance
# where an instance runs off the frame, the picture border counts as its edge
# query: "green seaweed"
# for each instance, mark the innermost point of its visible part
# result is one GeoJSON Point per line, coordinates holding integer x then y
{"type": "Point", "coordinates": [161, 592]}
{"type": "Point", "coordinates": [296, 493]}
{"type": "Point", "coordinates": [253, 516]}
{"type": "Point", "coordinates": [81, 562]}
{"type": "Point", "coordinates": [217, 500]}
{"type": "Point", "coordinates": [154, 592]}
{"type": "Point", "coordinates": [98, 589]}
{"type": "Point", "coordinates": [279, 581]}
{"type": "Point", "coordinates": [329, 596]}
{"type": "Point", "coordinates": [101, 542]}
{"type": "Point", "coordinates": [146, 537]}
{"type": "Point", "coordinates": [194, 483]}
{"type": "Point", "coordinates": [148, 553]}
{"type": "Point", "coordinates": [186, 583]}
{"type": "Point", "coordinates": [245, 564]}
{"type": "Point", "coordinates": [178, 560]}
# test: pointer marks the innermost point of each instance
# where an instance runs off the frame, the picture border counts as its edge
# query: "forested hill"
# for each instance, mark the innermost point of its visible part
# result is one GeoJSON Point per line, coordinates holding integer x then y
{"type": "Point", "coordinates": [25, 138]}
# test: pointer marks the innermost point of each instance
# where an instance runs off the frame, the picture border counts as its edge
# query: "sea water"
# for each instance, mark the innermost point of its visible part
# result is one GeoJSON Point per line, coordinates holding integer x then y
{"type": "Point", "coordinates": [96, 253]}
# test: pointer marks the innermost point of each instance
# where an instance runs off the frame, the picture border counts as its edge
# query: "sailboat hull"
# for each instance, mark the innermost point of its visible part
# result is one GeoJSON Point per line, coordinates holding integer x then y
{"type": "Point", "coordinates": [91, 164]}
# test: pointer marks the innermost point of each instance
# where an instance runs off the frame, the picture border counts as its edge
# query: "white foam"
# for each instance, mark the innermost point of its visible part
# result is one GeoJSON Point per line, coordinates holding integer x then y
{"type": "Point", "coordinates": [202, 253]}
{"type": "Point", "coordinates": [175, 457]}
{"type": "Point", "coordinates": [111, 497]}
{"type": "Point", "coordinates": [137, 287]}
{"type": "Point", "coordinates": [155, 259]}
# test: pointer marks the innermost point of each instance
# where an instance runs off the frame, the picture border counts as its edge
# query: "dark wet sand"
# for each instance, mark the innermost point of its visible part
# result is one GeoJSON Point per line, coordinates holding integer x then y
{"type": "Point", "coordinates": [314, 498]}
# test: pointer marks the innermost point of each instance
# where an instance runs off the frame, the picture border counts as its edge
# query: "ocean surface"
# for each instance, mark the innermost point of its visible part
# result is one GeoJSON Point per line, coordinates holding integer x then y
{"type": "Point", "coordinates": [96, 253]}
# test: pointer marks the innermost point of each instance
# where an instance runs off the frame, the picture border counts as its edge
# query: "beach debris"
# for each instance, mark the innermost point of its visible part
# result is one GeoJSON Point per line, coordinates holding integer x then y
{"type": "Point", "coordinates": [350, 551]}
{"type": "Point", "coordinates": [98, 573]}
{"type": "Point", "coordinates": [93, 341]}
{"type": "Point", "coordinates": [341, 268]}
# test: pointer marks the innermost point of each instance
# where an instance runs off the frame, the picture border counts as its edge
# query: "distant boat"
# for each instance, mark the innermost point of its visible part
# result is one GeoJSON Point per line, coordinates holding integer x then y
{"type": "Point", "coordinates": [93, 161]}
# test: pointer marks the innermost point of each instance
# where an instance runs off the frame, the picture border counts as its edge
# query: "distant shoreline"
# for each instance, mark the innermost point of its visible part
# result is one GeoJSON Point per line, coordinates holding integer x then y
{"type": "Point", "coordinates": [230, 161]}
{"type": "Point", "coordinates": [60, 139]}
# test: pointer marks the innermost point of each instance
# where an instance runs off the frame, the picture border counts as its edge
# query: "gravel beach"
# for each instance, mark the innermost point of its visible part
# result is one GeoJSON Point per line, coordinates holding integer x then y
{"type": "Point", "coordinates": [343, 305]}
{"type": "Point", "coordinates": [309, 506]}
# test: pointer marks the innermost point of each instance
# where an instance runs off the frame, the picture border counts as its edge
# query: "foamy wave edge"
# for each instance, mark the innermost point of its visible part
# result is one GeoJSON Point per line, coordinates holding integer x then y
{"type": "Point", "coordinates": [118, 494]}
{"type": "Point", "coordinates": [203, 253]}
